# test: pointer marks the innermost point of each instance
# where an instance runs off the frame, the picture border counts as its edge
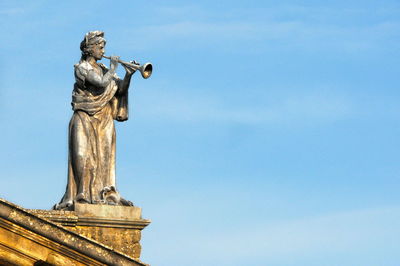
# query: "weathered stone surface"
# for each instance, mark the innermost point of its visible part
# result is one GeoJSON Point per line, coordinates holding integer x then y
{"type": "Point", "coordinates": [30, 237]}
{"type": "Point", "coordinates": [118, 227]}
{"type": "Point", "coordinates": [116, 212]}
{"type": "Point", "coordinates": [123, 240]}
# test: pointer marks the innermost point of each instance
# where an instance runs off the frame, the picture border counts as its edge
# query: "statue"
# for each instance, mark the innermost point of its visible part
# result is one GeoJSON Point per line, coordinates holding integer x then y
{"type": "Point", "coordinates": [99, 97]}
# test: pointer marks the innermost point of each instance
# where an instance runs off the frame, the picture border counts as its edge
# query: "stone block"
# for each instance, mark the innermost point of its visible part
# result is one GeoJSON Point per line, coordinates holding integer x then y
{"type": "Point", "coordinates": [108, 211]}
{"type": "Point", "coordinates": [118, 227]}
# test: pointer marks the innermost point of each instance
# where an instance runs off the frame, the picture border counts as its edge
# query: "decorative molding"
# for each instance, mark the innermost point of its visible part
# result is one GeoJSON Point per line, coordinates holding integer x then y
{"type": "Point", "coordinates": [95, 221]}
{"type": "Point", "coordinates": [20, 255]}
{"type": "Point", "coordinates": [45, 242]}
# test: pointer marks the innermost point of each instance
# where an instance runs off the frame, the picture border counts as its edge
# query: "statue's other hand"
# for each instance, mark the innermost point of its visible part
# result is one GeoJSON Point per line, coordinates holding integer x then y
{"type": "Point", "coordinates": [129, 70]}
{"type": "Point", "coordinates": [114, 62]}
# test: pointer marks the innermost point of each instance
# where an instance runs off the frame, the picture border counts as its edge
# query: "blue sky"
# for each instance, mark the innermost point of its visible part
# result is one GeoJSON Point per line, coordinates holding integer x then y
{"type": "Point", "coordinates": [267, 135]}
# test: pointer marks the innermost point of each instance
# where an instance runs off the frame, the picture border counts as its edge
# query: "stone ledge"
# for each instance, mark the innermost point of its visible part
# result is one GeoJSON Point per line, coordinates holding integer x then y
{"type": "Point", "coordinates": [97, 215]}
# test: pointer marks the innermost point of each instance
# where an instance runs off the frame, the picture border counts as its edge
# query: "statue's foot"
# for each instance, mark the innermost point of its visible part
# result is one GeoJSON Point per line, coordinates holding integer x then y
{"type": "Point", "coordinates": [125, 202]}
{"type": "Point", "coordinates": [81, 198]}
{"type": "Point", "coordinates": [63, 205]}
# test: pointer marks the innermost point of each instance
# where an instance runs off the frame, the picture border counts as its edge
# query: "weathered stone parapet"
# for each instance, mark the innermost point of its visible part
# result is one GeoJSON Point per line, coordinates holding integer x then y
{"type": "Point", "coordinates": [37, 237]}
{"type": "Point", "coordinates": [118, 227]}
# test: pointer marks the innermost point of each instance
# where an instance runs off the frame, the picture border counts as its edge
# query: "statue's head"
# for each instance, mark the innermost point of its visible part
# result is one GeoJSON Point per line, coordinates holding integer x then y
{"type": "Point", "coordinates": [91, 44]}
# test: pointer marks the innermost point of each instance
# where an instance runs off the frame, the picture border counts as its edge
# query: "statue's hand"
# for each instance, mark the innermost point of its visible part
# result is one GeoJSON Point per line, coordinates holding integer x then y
{"type": "Point", "coordinates": [129, 70]}
{"type": "Point", "coordinates": [114, 62]}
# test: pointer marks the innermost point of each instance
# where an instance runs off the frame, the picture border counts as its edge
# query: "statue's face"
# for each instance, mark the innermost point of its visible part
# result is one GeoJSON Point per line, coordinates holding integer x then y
{"type": "Point", "coordinates": [98, 51]}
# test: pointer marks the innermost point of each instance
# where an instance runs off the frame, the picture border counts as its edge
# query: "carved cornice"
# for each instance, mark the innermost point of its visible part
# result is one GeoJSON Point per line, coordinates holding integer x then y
{"type": "Point", "coordinates": [51, 244]}
{"type": "Point", "coordinates": [9, 255]}
{"type": "Point", "coordinates": [70, 218]}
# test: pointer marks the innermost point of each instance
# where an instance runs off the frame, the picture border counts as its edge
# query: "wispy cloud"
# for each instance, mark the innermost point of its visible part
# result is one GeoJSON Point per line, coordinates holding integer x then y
{"type": "Point", "coordinates": [13, 8]}
{"type": "Point", "coordinates": [342, 231]}
{"type": "Point", "coordinates": [298, 109]}
{"type": "Point", "coordinates": [311, 28]}
{"type": "Point", "coordinates": [12, 11]}
{"type": "Point", "coordinates": [341, 235]}
{"type": "Point", "coordinates": [299, 32]}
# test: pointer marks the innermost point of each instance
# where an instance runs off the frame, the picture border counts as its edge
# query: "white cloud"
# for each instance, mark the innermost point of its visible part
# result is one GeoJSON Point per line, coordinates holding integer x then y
{"type": "Point", "coordinates": [342, 235]}
{"type": "Point", "coordinates": [332, 233]}
{"type": "Point", "coordinates": [310, 28]}
{"type": "Point", "coordinates": [294, 110]}
{"type": "Point", "coordinates": [13, 8]}
{"type": "Point", "coordinates": [12, 11]}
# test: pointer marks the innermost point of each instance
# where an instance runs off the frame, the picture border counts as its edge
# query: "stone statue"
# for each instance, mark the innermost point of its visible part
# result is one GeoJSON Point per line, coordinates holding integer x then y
{"type": "Point", "coordinates": [99, 97]}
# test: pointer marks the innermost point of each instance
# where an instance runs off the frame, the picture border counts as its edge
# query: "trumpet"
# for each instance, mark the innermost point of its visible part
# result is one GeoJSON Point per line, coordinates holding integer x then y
{"type": "Point", "coordinates": [145, 69]}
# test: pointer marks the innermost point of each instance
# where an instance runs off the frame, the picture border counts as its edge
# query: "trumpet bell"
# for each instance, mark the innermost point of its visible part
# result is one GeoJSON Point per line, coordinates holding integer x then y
{"type": "Point", "coordinates": [146, 70]}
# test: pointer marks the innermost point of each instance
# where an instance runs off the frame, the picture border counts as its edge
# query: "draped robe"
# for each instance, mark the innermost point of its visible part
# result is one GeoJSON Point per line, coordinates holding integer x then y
{"type": "Point", "coordinates": [91, 160]}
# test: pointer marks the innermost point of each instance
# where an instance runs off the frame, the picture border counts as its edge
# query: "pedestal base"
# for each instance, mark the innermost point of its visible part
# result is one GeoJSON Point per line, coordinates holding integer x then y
{"type": "Point", "coordinates": [118, 227]}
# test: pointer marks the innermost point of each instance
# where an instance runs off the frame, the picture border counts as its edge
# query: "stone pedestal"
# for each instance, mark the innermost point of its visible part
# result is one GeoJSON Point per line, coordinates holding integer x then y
{"type": "Point", "coordinates": [118, 227]}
